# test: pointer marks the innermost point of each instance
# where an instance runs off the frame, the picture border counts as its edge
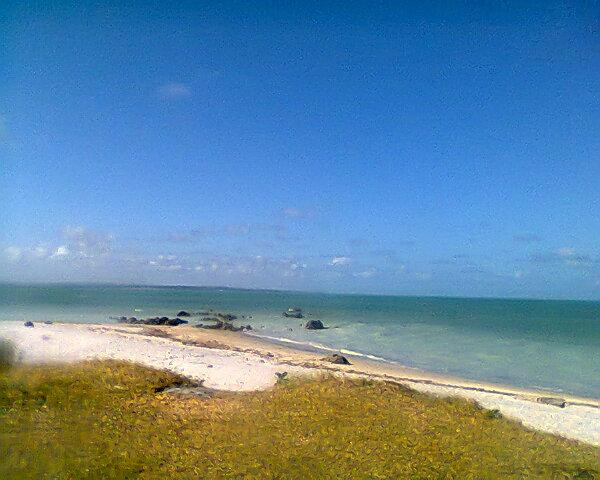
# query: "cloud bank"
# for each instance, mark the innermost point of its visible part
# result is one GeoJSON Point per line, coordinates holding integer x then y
{"type": "Point", "coordinates": [263, 256]}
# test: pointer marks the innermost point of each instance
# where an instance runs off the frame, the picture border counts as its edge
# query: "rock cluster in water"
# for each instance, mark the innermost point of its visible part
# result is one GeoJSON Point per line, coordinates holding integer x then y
{"type": "Point", "coordinates": [172, 322]}
{"type": "Point", "coordinates": [222, 321]}
{"type": "Point", "coordinates": [293, 312]}
{"type": "Point", "coordinates": [218, 321]}
{"type": "Point", "coordinates": [219, 324]}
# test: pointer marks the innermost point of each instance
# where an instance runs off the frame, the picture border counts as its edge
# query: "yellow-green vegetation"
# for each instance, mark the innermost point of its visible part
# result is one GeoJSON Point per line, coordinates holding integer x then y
{"type": "Point", "coordinates": [106, 420]}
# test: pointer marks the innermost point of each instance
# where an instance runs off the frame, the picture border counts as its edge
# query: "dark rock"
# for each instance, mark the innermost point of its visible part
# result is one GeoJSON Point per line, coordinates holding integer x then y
{"type": "Point", "coordinates": [248, 327]}
{"type": "Point", "coordinates": [28, 324]}
{"type": "Point", "coordinates": [220, 325]}
{"type": "Point", "coordinates": [215, 326]}
{"type": "Point", "coordinates": [183, 313]}
{"type": "Point", "coordinates": [281, 375]}
{"type": "Point", "coordinates": [314, 325]}
{"type": "Point", "coordinates": [337, 358]}
{"type": "Point", "coordinates": [153, 321]}
{"type": "Point", "coordinates": [231, 328]}
{"type": "Point", "coordinates": [226, 316]}
{"type": "Point", "coordinates": [554, 401]}
{"type": "Point", "coordinates": [293, 312]}
{"type": "Point", "coordinates": [47, 322]}
{"type": "Point", "coordinates": [173, 322]}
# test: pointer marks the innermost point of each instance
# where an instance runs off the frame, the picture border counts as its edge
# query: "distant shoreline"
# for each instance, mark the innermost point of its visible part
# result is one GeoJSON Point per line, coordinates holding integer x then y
{"type": "Point", "coordinates": [307, 292]}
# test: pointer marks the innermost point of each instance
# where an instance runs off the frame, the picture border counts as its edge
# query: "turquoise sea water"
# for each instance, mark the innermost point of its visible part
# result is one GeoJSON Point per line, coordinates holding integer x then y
{"type": "Point", "coordinates": [548, 344]}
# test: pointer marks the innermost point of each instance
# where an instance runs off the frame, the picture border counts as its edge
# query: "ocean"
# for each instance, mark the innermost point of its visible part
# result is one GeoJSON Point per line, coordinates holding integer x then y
{"type": "Point", "coordinates": [545, 344]}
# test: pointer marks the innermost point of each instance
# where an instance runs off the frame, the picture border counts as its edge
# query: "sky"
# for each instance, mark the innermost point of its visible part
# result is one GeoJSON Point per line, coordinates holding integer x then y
{"type": "Point", "coordinates": [410, 148]}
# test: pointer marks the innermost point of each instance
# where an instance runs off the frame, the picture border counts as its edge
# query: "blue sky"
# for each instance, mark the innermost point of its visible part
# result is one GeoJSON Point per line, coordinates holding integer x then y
{"type": "Point", "coordinates": [439, 148]}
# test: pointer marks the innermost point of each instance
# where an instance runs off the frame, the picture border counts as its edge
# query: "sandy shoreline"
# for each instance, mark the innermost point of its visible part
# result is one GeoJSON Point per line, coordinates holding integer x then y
{"type": "Point", "coordinates": [239, 362]}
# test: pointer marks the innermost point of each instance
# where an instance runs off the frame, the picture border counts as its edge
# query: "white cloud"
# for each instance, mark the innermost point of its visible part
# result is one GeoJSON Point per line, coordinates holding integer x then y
{"type": "Point", "coordinates": [167, 263]}
{"type": "Point", "coordinates": [87, 243]}
{"type": "Point", "coordinates": [175, 90]}
{"type": "Point", "coordinates": [519, 273]}
{"type": "Point", "coordinates": [340, 261]}
{"type": "Point", "coordinates": [87, 254]}
{"type": "Point", "coordinates": [39, 252]}
{"type": "Point", "coordinates": [566, 252]}
{"type": "Point", "coordinates": [573, 258]}
{"type": "Point", "coordinates": [13, 254]}
{"type": "Point", "coordinates": [172, 267]}
{"type": "Point", "coordinates": [60, 252]}
{"type": "Point", "coordinates": [368, 273]}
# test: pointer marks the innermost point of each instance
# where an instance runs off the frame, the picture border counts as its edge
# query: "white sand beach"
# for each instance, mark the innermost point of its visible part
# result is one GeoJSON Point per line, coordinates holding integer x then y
{"type": "Point", "coordinates": [238, 362]}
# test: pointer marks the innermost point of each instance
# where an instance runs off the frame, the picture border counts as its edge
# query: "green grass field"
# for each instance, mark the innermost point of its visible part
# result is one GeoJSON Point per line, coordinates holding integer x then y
{"type": "Point", "coordinates": [106, 420]}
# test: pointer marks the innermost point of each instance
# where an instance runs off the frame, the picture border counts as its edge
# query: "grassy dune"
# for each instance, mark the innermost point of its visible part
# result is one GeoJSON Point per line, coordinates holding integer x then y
{"type": "Point", "coordinates": [107, 420]}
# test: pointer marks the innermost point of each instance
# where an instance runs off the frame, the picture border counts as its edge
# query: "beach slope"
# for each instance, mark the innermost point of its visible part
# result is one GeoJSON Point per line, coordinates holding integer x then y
{"type": "Point", "coordinates": [236, 362]}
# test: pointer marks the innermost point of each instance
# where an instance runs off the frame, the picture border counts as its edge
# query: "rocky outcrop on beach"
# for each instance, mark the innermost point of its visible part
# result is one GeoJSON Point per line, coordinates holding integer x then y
{"type": "Point", "coordinates": [172, 322]}
{"type": "Point", "coordinates": [218, 320]}
{"type": "Point", "coordinates": [314, 325]}
{"type": "Point", "coordinates": [554, 401]}
{"type": "Point", "coordinates": [28, 324]}
{"type": "Point", "coordinates": [337, 359]}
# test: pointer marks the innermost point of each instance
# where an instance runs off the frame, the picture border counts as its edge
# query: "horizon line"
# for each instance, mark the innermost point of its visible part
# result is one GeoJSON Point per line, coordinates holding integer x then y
{"type": "Point", "coordinates": [312, 292]}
